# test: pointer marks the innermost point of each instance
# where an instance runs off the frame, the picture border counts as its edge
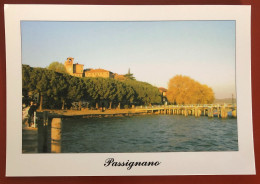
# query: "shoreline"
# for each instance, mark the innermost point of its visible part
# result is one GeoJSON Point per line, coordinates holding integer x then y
{"type": "Point", "coordinates": [85, 113]}
{"type": "Point", "coordinates": [90, 113]}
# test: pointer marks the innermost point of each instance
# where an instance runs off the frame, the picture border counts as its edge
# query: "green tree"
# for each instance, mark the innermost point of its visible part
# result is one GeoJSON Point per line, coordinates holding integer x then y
{"type": "Point", "coordinates": [59, 90]}
{"type": "Point", "coordinates": [129, 75]}
{"type": "Point", "coordinates": [26, 72]}
{"type": "Point", "coordinates": [42, 87]}
{"type": "Point", "coordinates": [144, 93]}
{"type": "Point", "coordinates": [76, 90]}
{"type": "Point", "coordinates": [112, 92]}
{"type": "Point", "coordinates": [57, 67]}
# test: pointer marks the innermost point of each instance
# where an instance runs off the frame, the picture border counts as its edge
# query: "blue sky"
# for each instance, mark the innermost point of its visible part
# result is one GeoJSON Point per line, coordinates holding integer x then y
{"type": "Point", "coordinates": [155, 51]}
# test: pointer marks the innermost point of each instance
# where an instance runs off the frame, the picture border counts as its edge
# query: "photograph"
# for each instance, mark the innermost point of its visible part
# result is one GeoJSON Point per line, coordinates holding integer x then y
{"type": "Point", "coordinates": [129, 86]}
{"type": "Point", "coordinates": [128, 90]}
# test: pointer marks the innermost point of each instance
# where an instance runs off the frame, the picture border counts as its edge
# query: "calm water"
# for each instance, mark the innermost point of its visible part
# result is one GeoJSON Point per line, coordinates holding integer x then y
{"type": "Point", "coordinates": [151, 133]}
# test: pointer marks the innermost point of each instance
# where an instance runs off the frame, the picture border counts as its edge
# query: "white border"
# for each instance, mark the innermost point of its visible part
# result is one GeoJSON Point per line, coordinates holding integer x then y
{"type": "Point", "coordinates": [176, 163]}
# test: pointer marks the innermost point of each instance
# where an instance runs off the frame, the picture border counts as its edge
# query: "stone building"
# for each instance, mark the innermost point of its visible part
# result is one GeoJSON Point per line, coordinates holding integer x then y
{"type": "Point", "coordinates": [73, 69]}
{"type": "Point", "coordinates": [163, 92]}
{"type": "Point", "coordinates": [119, 77]}
{"type": "Point", "coordinates": [78, 71]}
{"type": "Point", "coordinates": [98, 73]}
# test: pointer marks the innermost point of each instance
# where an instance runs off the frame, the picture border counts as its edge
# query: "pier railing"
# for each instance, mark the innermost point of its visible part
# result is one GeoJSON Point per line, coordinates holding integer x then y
{"type": "Point", "coordinates": [210, 110]}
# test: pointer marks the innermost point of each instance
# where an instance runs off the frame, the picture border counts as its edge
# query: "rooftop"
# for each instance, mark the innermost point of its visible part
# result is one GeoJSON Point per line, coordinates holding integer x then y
{"type": "Point", "coordinates": [96, 70]}
{"type": "Point", "coordinates": [163, 89]}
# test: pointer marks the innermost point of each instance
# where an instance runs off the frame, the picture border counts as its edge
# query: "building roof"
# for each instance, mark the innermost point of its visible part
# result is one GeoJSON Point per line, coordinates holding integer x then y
{"type": "Point", "coordinates": [116, 74]}
{"type": "Point", "coordinates": [96, 70]}
{"type": "Point", "coordinates": [163, 89]}
{"type": "Point", "coordinates": [78, 64]}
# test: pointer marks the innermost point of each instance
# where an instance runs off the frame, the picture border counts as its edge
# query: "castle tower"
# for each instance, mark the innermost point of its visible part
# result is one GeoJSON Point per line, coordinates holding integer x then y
{"type": "Point", "coordinates": [69, 65]}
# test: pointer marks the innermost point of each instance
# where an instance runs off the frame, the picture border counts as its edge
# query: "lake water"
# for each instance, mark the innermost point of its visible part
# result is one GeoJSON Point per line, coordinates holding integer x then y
{"type": "Point", "coordinates": [148, 133]}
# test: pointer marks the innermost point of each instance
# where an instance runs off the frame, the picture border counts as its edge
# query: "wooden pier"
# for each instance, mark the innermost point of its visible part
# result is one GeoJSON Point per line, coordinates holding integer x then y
{"type": "Point", "coordinates": [220, 111]}
{"type": "Point", "coordinates": [46, 137]}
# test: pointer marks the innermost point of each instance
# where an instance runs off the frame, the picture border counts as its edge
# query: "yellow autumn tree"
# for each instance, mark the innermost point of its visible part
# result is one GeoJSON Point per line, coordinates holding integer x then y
{"type": "Point", "coordinates": [185, 90]}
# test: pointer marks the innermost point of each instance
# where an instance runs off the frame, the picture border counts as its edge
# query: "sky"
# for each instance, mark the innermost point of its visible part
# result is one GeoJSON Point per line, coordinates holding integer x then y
{"type": "Point", "coordinates": [155, 51]}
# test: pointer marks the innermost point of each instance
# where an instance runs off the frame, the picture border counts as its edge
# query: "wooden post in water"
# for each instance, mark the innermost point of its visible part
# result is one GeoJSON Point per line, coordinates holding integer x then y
{"type": "Point", "coordinates": [56, 135]}
{"type": "Point", "coordinates": [234, 113]}
{"type": "Point", "coordinates": [210, 112]}
{"type": "Point", "coordinates": [186, 112]}
{"type": "Point", "coordinates": [196, 112]}
{"type": "Point", "coordinates": [224, 113]}
{"type": "Point", "coordinates": [43, 133]}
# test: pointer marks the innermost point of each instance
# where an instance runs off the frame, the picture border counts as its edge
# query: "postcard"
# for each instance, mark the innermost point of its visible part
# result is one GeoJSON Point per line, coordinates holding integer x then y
{"type": "Point", "coordinates": [128, 90]}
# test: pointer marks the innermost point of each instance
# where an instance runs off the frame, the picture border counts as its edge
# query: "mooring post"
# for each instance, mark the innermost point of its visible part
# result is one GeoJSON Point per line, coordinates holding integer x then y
{"type": "Point", "coordinates": [210, 112]}
{"type": "Point", "coordinates": [43, 133]}
{"type": "Point", "coordinates": [234, 113]}
{"type": "Point", "coordinates": [224, 113]}
{"type": "Point", "coordinates": [56, 135]}
{"type": "Point", "coordinates": [186, 112]}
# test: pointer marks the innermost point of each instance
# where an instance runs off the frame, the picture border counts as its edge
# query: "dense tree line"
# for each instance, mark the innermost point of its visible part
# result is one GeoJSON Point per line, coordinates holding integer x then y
{"type": "Point", "coordinates": [184, 90]}
{"type": "Point", "coordinates": [57, 67]}
{"type": "Point", "coordinates": [58, 90]}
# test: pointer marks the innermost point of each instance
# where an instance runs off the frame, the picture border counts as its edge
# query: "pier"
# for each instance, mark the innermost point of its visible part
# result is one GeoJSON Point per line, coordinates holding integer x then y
{"type": "Point", "coordinates": [220, 111]}
{"type": "Point", "coordinates": [46, 136]}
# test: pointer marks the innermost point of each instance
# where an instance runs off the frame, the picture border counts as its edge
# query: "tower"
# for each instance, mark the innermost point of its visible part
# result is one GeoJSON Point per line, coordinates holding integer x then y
{"type": "Point", "coordinates": [69, 65]}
